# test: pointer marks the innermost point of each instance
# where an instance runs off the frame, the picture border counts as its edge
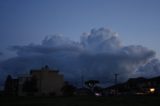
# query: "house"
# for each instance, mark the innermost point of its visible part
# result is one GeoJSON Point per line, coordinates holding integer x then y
{"type": "Point", "coordinates": [136, 86]}
{"type": "Point", "coordinates": [49, 82]}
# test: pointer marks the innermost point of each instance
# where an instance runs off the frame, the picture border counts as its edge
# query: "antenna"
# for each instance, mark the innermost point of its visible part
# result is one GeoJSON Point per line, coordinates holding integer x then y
{"type": "Point", "coordinates": [116, 78]}
{"type": "Point", "coordinates": [82, 79]}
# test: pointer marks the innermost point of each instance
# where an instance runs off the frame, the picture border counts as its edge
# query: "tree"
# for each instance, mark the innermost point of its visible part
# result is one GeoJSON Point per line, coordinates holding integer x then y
{"type": "Point", "coordinates": [11, 86]}
{"type": "Point", "coordinates": [30, 86]}
{"type": "Point", "coordinates": [68, 89]}
{"type": "Point", "coordinates": [8, 85]}
{"type": "Point", "coordinates": [91, 84]}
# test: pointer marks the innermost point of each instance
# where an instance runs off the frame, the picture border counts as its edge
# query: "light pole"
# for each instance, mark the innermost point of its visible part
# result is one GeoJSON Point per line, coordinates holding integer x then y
{"type": "Point", "coordinates": [116, 78]}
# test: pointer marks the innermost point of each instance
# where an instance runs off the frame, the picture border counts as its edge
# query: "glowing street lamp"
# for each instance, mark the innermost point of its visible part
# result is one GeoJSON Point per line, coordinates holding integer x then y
{"type": "Point", "coordinates": [152, 90]}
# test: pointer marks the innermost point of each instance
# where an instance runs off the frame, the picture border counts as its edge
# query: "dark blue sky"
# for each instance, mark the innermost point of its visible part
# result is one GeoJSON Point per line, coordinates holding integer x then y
{"type": "Point", "coordinates": [29, 21]}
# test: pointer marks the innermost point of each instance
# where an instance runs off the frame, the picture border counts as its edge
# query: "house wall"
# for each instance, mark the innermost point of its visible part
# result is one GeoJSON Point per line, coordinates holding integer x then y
{"type": "Point", "coordinates": [48, 82]}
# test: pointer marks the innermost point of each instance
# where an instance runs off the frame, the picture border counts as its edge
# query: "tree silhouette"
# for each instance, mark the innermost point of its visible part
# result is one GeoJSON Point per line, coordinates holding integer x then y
{"type": "Point", "coordinates": [91, 84]}
{"type": "Point", "coordinates": [8, 85]}
{"type": "Point", "coordinates": [30, 86]}
{"type": "Point", "coordinates": [68, 89]}
{"type": "Point", "coordinates": [11, 86]}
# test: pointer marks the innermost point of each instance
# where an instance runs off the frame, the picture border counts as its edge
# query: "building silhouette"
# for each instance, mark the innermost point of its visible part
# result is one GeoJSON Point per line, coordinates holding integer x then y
{"type": "Point", "coordinates": [44, 81]}
{"type": "Point", "coordinates": [136, 86]}
{"type": "Point", "coordinates": [11, 86]}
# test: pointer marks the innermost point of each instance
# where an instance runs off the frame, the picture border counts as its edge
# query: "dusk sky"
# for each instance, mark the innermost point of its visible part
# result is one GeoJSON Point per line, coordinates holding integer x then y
{"type": "Point", "coordinates": [28, 22]}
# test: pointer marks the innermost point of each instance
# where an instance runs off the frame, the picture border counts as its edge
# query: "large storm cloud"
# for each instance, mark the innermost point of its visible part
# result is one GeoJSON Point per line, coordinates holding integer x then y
{"type": "Point", "coordinates": [150, 69]}
{"type": "Point", "coordinates": [98, 55]}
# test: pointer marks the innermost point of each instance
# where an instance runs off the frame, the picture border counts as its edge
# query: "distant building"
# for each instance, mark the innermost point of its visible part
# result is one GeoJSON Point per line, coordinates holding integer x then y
{"type": "Point", "coordinates": [83, 92]}
{"type": "Point", "coordinates": [43, 81]}
{"type": "Point", "coordinates": [136, 86]}
{"type": "Point", "coordinates": [49, 82]}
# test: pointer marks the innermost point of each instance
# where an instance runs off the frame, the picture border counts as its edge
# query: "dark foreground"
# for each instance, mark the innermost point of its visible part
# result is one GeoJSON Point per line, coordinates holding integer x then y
{"type": "Point", "coordinates": [81, 101]}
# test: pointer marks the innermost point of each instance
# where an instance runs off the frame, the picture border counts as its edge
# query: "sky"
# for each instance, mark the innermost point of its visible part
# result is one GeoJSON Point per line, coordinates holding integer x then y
{"type": "Point", "coordinates": [26, 21]}
{"type": "Point", "coordinates": [25, 24]}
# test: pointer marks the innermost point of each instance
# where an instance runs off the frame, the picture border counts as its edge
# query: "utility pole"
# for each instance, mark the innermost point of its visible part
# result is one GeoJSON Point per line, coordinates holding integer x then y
{"type": "Point", "coordinates": [82, 79]}
{"type": "Point", "coordinates": [116, 79]}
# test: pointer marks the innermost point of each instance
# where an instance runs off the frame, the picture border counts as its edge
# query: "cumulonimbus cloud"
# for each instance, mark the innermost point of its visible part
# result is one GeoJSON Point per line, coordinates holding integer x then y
{"type": "Point", "coordinates": [150, 69]}
{"type": "Point", "coordinates": [98, 55]}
